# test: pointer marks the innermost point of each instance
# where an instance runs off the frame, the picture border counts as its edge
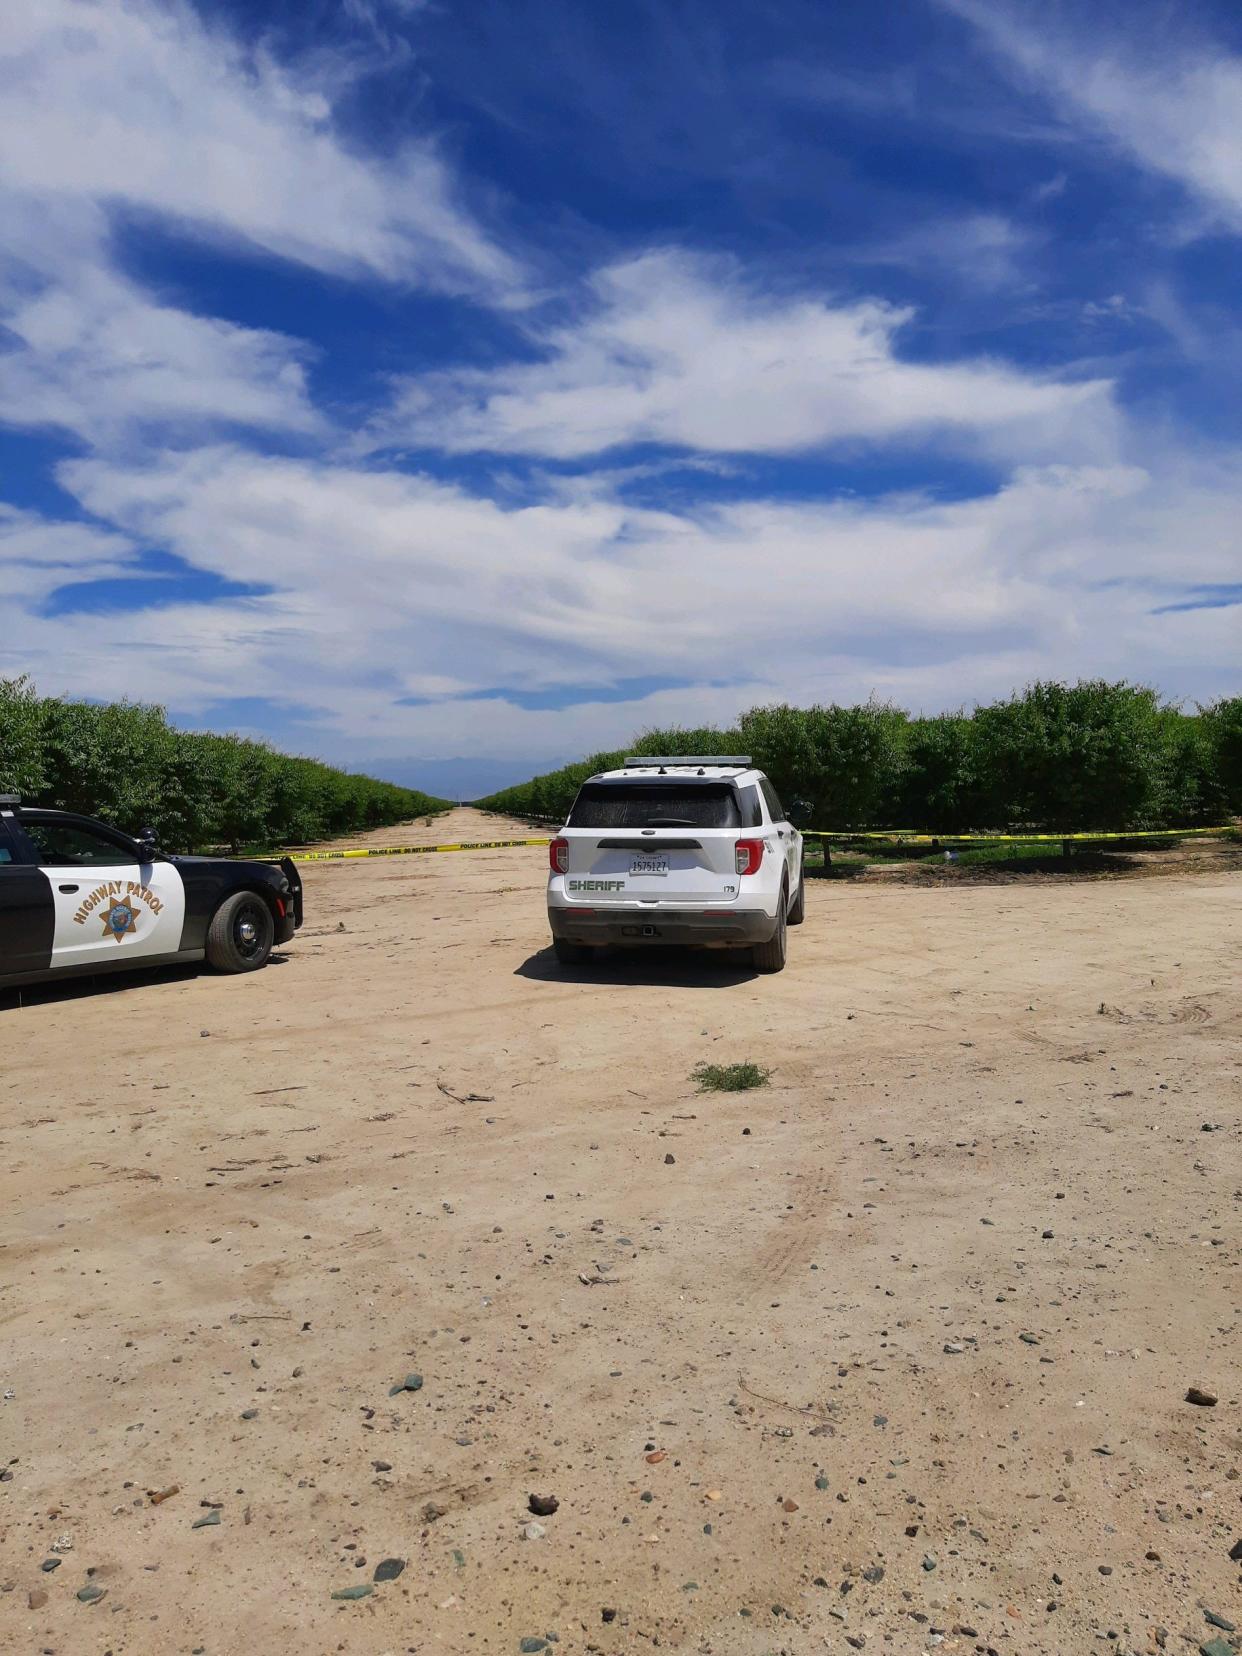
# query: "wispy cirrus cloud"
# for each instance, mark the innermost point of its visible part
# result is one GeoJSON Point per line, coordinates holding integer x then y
{"type": "Point", "coordinates": [976, 250]}
{"type": "Point", "coordinates": [1170, 102]}
{"type": "Point", "coordinates": [89, 352]}
{"type": "Point", "coordinates": [143, 106]}
{"type": "Point", "coordinates": [683, 352]}
{"type": "Point", "coordinates": [114, 113]}
{"type": "Point", "coordinates": [39, 556]}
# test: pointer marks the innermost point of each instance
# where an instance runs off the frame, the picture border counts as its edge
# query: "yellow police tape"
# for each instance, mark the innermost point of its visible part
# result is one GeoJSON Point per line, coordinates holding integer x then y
{"type": "Point", "coordinates": [910, 836]}
{"type": "Point", "coordinates": [408, 850]}
{"type": "Point", "coordinates": [902, 836]}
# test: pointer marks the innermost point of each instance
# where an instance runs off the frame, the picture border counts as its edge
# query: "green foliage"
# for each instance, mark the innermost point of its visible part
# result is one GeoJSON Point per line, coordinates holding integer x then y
{"type": "Point", "coordinates": [1222, 723]}
{"type": "Point", "coordinates": [1052, 757]}
{"type": "Point", "coordinates": [125, 763]}
{"type": "Point", "coordinates": [21, 738]}
{"type": "Point", "coordinates": [730, 1077]}
{"type": "Point", "coordinates": [939, 787]}
{"type": "Point", "coordinates": [1086, 755]}
{"type": "Point", "coordinates": [845, 761]}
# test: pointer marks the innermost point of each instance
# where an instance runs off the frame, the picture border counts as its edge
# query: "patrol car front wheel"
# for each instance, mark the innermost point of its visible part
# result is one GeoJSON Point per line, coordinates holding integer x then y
{"type": "Point", "coordinates": [241, 934]}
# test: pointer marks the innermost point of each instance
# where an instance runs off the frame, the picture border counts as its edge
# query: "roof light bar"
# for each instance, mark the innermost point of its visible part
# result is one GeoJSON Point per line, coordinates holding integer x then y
{"type": "Point", "coordinates": [740, 760]}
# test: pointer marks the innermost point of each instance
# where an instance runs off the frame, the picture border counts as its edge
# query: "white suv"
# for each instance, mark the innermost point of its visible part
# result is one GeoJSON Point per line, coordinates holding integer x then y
{"type": "Point", "coordinates": [684, 850]}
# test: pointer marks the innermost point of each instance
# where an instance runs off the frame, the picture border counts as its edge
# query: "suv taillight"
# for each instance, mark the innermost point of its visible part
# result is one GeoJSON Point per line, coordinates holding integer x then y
{"type": "Point", "coordinates": [558, 856]}
{"type": "Point", "coordinates": [748, 855]}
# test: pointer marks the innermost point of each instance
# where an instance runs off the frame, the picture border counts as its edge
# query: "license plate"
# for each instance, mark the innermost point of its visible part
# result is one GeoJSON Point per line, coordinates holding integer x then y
{"type": "Point", "coordinates": [649, 865]}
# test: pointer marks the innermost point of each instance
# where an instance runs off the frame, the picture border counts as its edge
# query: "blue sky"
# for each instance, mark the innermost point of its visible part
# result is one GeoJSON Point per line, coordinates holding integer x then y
{"type": "Point", "coordinates": [447, 389]}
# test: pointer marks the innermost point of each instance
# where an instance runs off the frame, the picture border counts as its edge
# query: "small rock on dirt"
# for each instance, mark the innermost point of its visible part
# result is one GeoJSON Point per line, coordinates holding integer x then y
{"type": "Point", "coordinates": [411, 1383]}
{"type": "Point", "coordinates": [543, 1506]}
{"type": "Point", "coordinates": [1203, 1399]}
{"type": "Point", "coordinates": [388, 1569]}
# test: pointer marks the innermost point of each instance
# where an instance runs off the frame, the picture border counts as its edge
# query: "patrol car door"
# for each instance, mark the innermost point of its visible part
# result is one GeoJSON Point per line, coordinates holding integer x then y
{"type": "Point", "coordinates": [25, 912]}
{"type": "Point", "coordinates": [787, 836]}
{"type": "Point", "coordinates": [108, 906]}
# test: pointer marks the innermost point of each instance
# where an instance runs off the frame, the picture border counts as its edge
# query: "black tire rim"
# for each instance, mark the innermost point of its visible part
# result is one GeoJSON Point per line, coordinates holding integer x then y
{"type": "Point", "coordinates": [248, 931]}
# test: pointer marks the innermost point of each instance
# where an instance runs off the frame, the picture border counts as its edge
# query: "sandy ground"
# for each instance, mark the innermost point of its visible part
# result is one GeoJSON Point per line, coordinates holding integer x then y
{"type": "Point", "coordinates": [891, 1354]}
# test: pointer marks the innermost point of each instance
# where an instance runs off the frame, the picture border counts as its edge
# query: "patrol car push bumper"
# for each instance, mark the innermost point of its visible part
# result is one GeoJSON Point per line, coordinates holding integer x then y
{"type": "Point", "coordinates": [632, 927]}
{"type": "Point", "coordinates": [293, 902]}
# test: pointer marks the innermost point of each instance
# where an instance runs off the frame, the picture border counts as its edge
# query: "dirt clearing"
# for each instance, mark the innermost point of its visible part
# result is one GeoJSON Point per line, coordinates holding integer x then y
{"type": "Point", "coordinates": [891, 1353]}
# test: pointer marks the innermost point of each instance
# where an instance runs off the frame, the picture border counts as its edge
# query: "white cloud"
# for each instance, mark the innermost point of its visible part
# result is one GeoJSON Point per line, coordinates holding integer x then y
{"type": "Point", "coordinates": [1173, 104]}
{"type": "Point", "coordinates": [138, 104]}
{"type": "Point", "coordinates": [389, 587]}
{"type": "Point", "coordinates": [133, 106]}
{"type": "Point", "coordinates": [673, 351]}
{"type": "Point", "coordinates": [91, 353]}
{"type": "Point", "coordinates": [987, 250]}
{"type": "Point", "coordinates": [38, 557]}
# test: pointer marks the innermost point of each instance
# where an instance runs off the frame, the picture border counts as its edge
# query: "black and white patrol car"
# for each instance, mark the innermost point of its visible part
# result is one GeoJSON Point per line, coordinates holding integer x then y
{"type": "Point", "coordinates": [79, 897]}
{"type": "Point", "coordinates": [692, 850]}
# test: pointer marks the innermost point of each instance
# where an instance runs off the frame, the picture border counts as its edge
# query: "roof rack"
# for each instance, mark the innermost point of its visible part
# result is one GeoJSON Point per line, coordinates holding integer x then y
{"type": "Point", "coordinates": [9, 800]}
{"type": "Point", "coordinates": [728, 761]}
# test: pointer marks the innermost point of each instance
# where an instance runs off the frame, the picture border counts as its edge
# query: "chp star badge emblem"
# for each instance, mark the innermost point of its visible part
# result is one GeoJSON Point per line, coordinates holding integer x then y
{"type": "Point", "coordinates": [119, 921]}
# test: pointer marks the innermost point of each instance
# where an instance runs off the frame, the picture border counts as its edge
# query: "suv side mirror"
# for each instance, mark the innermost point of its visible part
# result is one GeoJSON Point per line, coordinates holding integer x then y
{"type": "Point", "coordinates": [800, 813]}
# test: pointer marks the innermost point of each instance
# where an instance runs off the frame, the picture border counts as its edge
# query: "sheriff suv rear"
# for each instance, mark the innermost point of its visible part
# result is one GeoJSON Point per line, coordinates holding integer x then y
{"type": "Point", "coordinates": [694, 850]}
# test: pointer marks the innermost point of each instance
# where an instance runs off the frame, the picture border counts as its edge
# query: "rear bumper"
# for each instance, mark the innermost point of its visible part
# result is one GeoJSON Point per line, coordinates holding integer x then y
{"type": "Point", "coordinates": [631, 929]}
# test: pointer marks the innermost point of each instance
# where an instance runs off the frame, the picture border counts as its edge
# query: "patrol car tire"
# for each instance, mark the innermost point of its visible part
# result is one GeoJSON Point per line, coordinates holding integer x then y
{"type": "Point", "coordinates": [571, 954]}
{"type": "Point", "coordinates": [797, 909]}
{"type": "Point", "coordinates": [770, 956]}
{"type": "Point", "coordinates": [241, 934]}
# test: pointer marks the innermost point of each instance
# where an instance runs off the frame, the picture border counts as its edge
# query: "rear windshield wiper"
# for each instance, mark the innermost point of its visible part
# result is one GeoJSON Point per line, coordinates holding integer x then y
{"type": "Point", "coordinates": [671, 822]}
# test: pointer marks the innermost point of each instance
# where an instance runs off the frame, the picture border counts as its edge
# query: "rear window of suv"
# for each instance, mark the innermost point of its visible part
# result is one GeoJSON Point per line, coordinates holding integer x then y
{"type": "Point", "coordinates": [655, 805]}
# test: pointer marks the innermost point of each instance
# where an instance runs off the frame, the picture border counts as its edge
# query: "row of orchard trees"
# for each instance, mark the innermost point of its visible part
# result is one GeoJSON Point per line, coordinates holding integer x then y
{"type": "Point", "coordinates": [125, 763]}
{"type": "Point", "coordinates": [1054, 757]}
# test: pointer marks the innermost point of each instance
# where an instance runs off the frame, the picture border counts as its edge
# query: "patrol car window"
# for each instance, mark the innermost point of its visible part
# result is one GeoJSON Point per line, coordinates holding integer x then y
{"type": "Point", "coordinates": [65, 845]}
{"type": "Point", "coordinates": [752, 813]}
{"type": "Point", "coordinates": [6, 856]}
{"type": "Point", "coordinates": [775, 809]}
{"type": "Point", "coordinates": [655, 805]}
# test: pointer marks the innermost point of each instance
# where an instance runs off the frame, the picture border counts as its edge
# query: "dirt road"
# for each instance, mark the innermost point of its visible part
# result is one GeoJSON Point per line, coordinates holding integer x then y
{"type": "Point", "coordinates": [891, 1354]}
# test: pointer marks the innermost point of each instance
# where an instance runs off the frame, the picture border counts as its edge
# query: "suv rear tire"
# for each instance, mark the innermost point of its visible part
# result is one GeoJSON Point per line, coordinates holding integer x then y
{"type": "Point", "coordinates": [770, 956]}
{"type": "Point", "coordinates": [241, 934]}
